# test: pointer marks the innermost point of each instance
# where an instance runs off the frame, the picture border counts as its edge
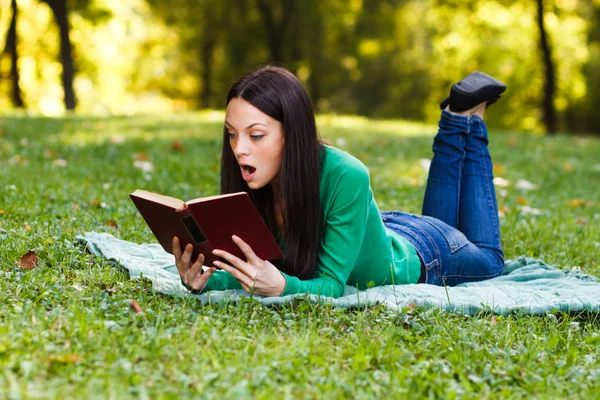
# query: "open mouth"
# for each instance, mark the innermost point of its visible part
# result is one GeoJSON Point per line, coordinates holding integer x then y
{"type": "Point", "coordinates": [248, 170]}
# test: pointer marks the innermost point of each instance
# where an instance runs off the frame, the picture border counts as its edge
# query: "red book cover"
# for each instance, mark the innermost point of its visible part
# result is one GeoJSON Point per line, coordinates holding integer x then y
{"type": "Point", "coordinates": [207, 223]}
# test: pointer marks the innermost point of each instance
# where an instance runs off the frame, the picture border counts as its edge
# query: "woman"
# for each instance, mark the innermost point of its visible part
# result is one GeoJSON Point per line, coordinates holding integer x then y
{"type": "Point", "coordinates": [318, 203]}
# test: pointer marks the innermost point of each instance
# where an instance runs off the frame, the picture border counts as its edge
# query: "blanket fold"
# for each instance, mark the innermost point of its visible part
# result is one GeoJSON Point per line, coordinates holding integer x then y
{"type": "Point", "coordinates": [528, 285]}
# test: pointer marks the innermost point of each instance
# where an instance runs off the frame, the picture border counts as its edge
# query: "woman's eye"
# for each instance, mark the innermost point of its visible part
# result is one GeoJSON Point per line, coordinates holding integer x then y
{"type": "Point", "coordinates": [257, 137]}
{"type": "Point", "coordinates": [231, 135]}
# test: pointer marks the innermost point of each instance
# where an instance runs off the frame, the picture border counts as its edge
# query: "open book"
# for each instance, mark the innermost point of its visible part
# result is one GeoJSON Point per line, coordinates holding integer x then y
{"type": "Point", "coordinates": [207, 223]}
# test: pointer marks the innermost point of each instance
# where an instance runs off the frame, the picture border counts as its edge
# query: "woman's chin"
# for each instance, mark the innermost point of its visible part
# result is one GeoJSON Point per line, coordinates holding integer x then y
{"type": "Point", "coordinates": [254, 185]}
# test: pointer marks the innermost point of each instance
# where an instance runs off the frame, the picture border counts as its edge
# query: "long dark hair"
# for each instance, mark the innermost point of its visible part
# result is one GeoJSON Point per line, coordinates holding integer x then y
{"type": "Point", "coordinates": [278, 93]}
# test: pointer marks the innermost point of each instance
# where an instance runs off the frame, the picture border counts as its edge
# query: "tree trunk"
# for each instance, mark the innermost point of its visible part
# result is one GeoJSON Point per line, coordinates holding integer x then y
{"type": "Point", "coordinates": [276, 30]}
{"type": "Point", "coordinates": [549, 72]}
{"type": "Point", "coordinates": [59, 9]}
{"type": "Point", "coordinates": [207, 49]}
{"type": "Point", "coordinates": [12, 49]}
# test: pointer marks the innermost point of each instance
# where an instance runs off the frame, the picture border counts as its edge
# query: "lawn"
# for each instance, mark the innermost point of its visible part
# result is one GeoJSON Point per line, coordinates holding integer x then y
{"type": "Point", "coordinates": [67, 329]}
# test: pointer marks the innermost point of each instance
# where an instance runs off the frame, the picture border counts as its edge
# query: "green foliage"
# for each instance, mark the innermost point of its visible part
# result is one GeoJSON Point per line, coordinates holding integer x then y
{"type": "Point", "coordinates": [378, 58]}
{"type": "Point", "coordinates": [66, 328]}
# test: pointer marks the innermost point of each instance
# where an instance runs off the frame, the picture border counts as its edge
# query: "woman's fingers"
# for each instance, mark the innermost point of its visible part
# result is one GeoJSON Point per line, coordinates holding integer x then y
{"type": "Point", "coordinates": [196, 268]}
{"type": "Point", "coordinates": [243, 278]}
{"type": "Point", "coordinates": [176, 248]}
{"type": "Point", "coordinates": [246, 249]}
{"type": "Point", "coordinates": [199, 280]}
{"type": "Point", "coordinates": [186, 257]}
{"type": "Point", "coordinates": [237, 262]}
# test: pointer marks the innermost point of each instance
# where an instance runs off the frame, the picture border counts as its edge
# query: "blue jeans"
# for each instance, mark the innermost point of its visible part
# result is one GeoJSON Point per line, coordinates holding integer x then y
{"type": "Point", "coordinates": [458, 235]}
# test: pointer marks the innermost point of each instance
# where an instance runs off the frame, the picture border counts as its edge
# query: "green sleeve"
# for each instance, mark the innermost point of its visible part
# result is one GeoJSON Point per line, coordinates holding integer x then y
{"type": "Point", "coordinates": [221, 280]}
{"type": "Point", "coordinates": [345, 225]}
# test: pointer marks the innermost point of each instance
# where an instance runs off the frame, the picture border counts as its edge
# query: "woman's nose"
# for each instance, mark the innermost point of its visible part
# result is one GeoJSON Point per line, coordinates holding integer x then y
{"type": "Point", "coordinates": [242, 147]}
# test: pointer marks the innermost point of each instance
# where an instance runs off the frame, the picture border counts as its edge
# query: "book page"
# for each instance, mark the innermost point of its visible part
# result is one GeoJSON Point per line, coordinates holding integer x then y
{"type": "Point", "coordinates": [201, 199]}
{"type": "Point", "coordinates": [161, 199]}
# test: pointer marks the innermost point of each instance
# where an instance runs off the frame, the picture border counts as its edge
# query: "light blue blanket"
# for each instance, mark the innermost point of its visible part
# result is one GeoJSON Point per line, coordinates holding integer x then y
{"type": "Point", "coordinates": [528, 285]}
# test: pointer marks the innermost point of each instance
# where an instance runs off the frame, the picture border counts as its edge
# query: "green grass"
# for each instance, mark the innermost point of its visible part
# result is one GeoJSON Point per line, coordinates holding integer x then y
{"type": "Point", "coordinates": [66, 329]}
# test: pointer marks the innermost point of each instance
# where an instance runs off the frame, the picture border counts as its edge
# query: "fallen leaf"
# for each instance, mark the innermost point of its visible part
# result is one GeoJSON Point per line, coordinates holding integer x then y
{"type": "Point", "coordinates": [142, 156]}
{"type": "Point", "coordinates": [59, 162]}
{"type": "Point", "coordinates": [17, 160]}
{"type": "Point", "coordinates": [493, 321]}
{"type": "Point", "coordinates": [111, 223]}
{"type": "Point", "coordinates": [76, 206]}
{"type": "Point", "coordinates": [581, 220]}
{"type": "Point", "coordinates": [521, 200]}
{"type": "Point", "coordinates": [29, 260]}
{"type": "Point", "coordinates": [65, 359]}
{"type": "Point", "coordinates": [524, 184]}
{"type": "Point", "coordinates": [512, 141]}
{"type": "Point", "coordinates": [1, 211]}
{"type": "Point", "coordinates": [27, 228]}
{"type": "Point", "coordinates": [567, 166]}
{"type": "Point", "coordinates": [95, 203]}
{"type": "Point", "coordinates": [499, 168]}
{"type": "Point", "coordinates": [50, 154]}
{"type": "Point", "coordinates": [176, 145]}
{"type": "Point", "coordinates": [135, 307]}
{"type": "Point", "coordinates": [577, 203]}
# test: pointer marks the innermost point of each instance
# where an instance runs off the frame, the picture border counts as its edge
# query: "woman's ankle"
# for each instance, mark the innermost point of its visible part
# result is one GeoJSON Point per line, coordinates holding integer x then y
{"type": "Point", "coordinates": [478, 110]}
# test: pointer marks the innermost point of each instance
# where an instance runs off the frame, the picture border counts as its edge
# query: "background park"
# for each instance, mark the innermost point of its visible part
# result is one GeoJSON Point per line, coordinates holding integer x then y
{"type": "Point", "coordinates": [100, 98]}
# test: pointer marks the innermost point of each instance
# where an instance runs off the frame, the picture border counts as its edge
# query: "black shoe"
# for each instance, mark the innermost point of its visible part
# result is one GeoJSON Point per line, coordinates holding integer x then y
{"type": "Point", "coordinates": [473, 90]}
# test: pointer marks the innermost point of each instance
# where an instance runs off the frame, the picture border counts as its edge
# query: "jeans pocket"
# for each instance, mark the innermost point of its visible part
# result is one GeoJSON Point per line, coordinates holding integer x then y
{"type": "Point", "coordinates": [455, 238]}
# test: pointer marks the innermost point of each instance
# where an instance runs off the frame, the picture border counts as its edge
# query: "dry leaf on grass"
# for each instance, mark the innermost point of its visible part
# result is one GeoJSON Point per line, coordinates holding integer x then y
{"type": "Point", "coordinates": [580, 203]}
{"type": "Point", "coordinates": [177, 145]}
{"type": "Point", "coordinates": [65, 359]}
{"type": "Point", "coordinates": [142, 156]}
{"type": "Point", "coordinates": [498, 168]}
{"type": "Point", "coordinates": [27, 228]}
{"type": "Point", "coordinates": [29, 260]}
{"type": "Point", "coordinates": [111, 223]}
{"type": "Point", "coordinates": [135, 307]}
{"type": "Point", "coordinates": [522, 201]}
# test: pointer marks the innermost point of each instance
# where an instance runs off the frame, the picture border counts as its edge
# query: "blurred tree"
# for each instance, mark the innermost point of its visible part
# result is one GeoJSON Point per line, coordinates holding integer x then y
{"type": "Point", "coordinates": [549, 72]}
{"type": "Point", "coordinates": [11, 48]}
{"type": "Point", "coordinates": [277, 20]}
{"type": "Point", "coordinates": [60, 12]}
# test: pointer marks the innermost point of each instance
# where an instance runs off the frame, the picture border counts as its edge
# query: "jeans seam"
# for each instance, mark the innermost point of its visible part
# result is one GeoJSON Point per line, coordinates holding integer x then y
{"type": "Point", "coordinates": [490, 200]}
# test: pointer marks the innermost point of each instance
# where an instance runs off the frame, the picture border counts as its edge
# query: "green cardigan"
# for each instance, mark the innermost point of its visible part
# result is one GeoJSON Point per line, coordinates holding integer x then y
{"type": "Point", "coordinates": [356, 248]}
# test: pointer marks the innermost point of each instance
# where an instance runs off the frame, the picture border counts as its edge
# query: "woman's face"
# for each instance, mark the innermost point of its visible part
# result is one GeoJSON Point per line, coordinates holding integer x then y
{"type": "Point", "coordinates": [256, 140]}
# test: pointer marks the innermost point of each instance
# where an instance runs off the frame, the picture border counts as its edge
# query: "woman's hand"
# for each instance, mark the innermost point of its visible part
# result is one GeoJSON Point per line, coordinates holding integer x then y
{"type": "Point", "coordinates": [255, 275]}
{"type": "Point", "coordinates": [191, 275]}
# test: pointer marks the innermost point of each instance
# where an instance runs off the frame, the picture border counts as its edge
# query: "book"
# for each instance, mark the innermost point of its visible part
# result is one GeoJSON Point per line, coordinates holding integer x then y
{"type": "Point", "coordinates": [207, 223]}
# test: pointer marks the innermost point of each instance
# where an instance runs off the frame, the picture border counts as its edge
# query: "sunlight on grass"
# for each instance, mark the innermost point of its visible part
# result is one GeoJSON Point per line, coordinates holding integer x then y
{"type": "Point", "coordinates": [67, 326]}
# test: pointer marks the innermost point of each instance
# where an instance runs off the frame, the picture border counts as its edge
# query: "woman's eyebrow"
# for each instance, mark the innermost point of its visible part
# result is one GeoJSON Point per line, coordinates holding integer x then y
{"type": "Point", "coordinates": [249, 126]}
